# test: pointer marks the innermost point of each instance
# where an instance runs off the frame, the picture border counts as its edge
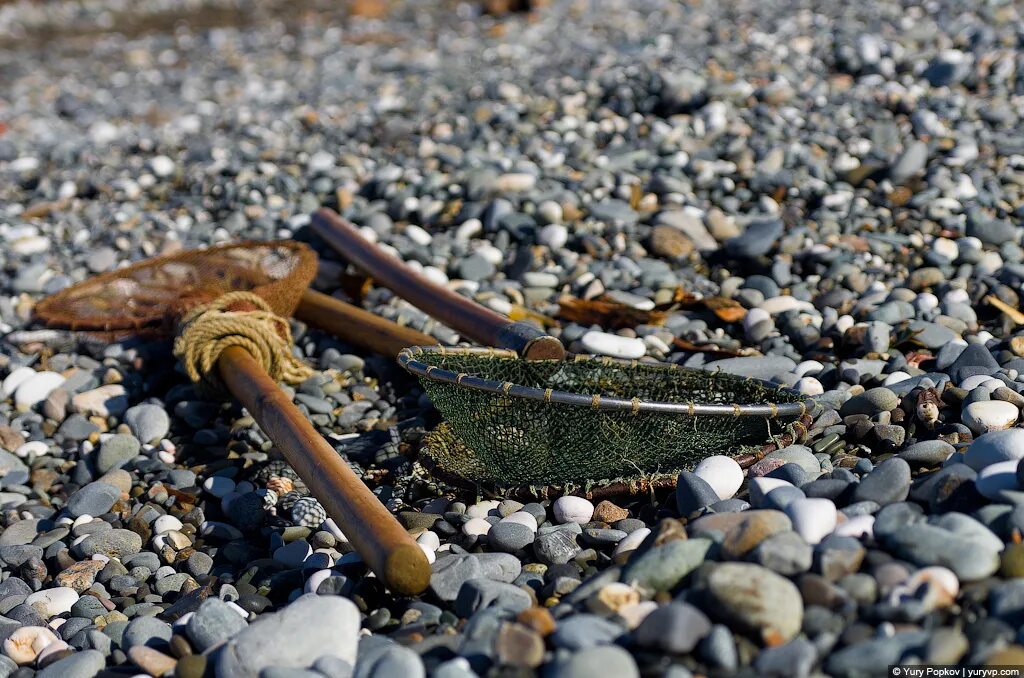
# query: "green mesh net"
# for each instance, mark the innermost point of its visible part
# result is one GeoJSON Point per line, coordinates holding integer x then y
{"type": "Point", "coordinates": [502, 433]}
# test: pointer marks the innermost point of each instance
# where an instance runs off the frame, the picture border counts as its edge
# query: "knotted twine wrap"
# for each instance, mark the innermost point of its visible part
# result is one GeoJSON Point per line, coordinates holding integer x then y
{"type": "Point", "coordinates": [210, 328]}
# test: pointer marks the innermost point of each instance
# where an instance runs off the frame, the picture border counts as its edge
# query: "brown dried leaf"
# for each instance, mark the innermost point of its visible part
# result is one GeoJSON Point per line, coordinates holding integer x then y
{"type": "Point", "coordinates": [684, 345]}
{"type": "Point", "coordinates": [727, 310]}
{"type": "Point", "coordinates": [520, 312]}
{"type": "Point", "coordinates": [369, 9]}
{"type": "Point", "coordinates": [608, 314]}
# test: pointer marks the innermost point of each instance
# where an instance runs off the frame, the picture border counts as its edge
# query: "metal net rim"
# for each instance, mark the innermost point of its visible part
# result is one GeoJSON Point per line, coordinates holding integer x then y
{"type": "Point", "coordinates": [413, 359]}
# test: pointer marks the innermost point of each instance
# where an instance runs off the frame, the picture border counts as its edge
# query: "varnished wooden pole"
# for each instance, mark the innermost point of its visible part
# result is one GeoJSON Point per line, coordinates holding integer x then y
{"type": "Point", "coordinates": [357, 326]}
{"type": "Point", "coordinates": [471, 319]}
{"type": "Point", "coordinates": [376, 535]}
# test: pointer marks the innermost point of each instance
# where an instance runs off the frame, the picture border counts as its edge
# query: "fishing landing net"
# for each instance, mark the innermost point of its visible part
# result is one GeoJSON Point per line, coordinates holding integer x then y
{"type": "Point", "coordinates": [209, 299]}
{"type": "Point", "coordinates": [590, 421]}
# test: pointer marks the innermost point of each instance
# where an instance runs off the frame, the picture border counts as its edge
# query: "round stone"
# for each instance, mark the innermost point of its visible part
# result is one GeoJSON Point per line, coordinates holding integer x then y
{"type": "Point", "coordinates": [994, 447]}
{"type": "Point", "coordinates": [722, 473]}
{"type": "Point", "coordinates": [570, 509]}
{"type": "Point", "coordinates": [989, 415]}
{"type": "Point", "coordinates": [148, 423]}
{"type": "Point", "coordinates": [603, 343]}
{"type": "Point", "coordinates": [813, 519]}
{"type": "Point", "coordinates": [509, 537]}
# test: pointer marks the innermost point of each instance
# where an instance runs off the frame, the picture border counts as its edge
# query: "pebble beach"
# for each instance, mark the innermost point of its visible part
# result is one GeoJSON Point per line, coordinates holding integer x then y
{"type": "Point", "coordinates": [825, 196]}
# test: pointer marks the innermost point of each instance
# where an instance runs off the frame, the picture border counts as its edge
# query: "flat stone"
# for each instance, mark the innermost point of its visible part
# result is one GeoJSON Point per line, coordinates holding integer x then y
{"type": "Point", "coordinates": [478, 594]}
{"type": "Point", "coordinates": [94, 499]}
{"type": "Point", "coordinates": [785, 553]}
{"type": "Point", "coordinates": [295, 637]}
{"type": "Point", "coordinates": [115, 543]}
{"type": "Point", "coordinates": [758, 367]}
{"type": "Point", "coordinates": [926, 545]}
{"type": "Point", "coordinates": [757, 238]}
{"type": "Point", "coordinates": [675, 628]}
{"type": "Point", "coordinates": [749, 530]}
{"type": "Point", "coordinates": [994, 447]}
{"type": "Point", "coordinates": [450, 572]}
{"type": "Point", "coordinates": [117, 451]}
{"type": "Point", "coordinates": [213, 623]}
{"type": "Point", "coordinates": [609, 660]}
{"type": "Point", "coordinates": [84, 664]}
{"type": "Point", "coordinates": [887, 483]}
{"type": "Point", "coordinates": [580, 631]}
{"type": "Point", "coordinates": [927, 453]}
{"type": "Point", "coordinates": [756, 600]}
{"type": "Point", "coordinates": [148, 423]}
{"type": "Point", "coordinates": [146, 631]}
{"type": "Point", "coordinates": [661, 568]}
{"type": "Point", "coordinates": [873, 400]}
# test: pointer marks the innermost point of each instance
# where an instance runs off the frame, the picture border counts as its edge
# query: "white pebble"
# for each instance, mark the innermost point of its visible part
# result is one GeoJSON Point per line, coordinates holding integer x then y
{"type": "Point", "coordinates": [760, 487]}
{"type": "Point", "coordinates": [429, 553]}
{"type": "Point", "coordinates": [523, 518]}
{"type": "Point", "coordinates": [926, 301]}
{"type": "Point", "coordinates": [784, 303]}
{"type": "Point", "coordinates": [476, 527]}
{"type": "Point", "coordinates": [722, 473]}
{"type": "Point", "coordinates": [896, 377]}
{"type": "Point", "coordinates": [603, 343]}
{"type": "Point", "coordinates": [435, 275]}
{"type": "Point", "coordinates": [843, 323]}
{"type": "Point", "coordinates": [25, 643]}
{"type": "Point", "coordinates": [418, 235]}
{"type": "Point", "coordinates": [975, 380]}
{"type": "Point", "coordinates": [165, 524]}
{"type": "Point", "coordinates": [429, 539]}
{"type": "Point", "coordinates": [989, 415]}
{"type": "Point", "coordinates": [808, 368]}
{"type": "Point", "coordinates": [857, 527]}
{"type": "Point", "coordinates": [995, 478]}
{"type": "Point", "coordinates": [551, 212]}
{"type": "Point", "coordinates": [35, 448]}
{"type": "Point", "coordinates": [16, 378]}
{"type": "Point", "coordinates": [809, 386]}
{"type": "Point", "coordinates": [468, 229]}
{"type": "Point", "coordinates": [35, 389]}
{"type": "Point", "coordinates": [634, 613]}
{"type": "Point", "coordinates": [571, 509]}
{"type": "Point", "coordinates": [161, 166]}
{"type": "Point", "coordinates": [554, 236]}
{"type": "Point", "coordinates": [632, 541]}
{"type": "Point", "coordinates": [52, 602]}
{"type": "Point", "coordinates": [813, 519]}
{"type": "Point", "coordinates": [947, 249]}
{"type": "Point", "coordinates": [482, 509]}
{"type": "Point", "coordinates": [515, 182]}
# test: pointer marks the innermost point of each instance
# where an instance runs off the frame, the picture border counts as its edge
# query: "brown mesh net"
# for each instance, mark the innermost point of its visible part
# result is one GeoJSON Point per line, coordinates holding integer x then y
{"type": "Point", "coordinates": [150, 297]}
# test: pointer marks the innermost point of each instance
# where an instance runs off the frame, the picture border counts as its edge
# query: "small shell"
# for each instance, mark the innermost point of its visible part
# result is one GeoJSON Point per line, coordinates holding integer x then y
{"type": "Point", "coordinates": [25, 644]}
{"type": "Point", "coordinates": [280, 485]}
{"type": "Point", "coordinates": [307, 512]}
{"type": "Point", "coordinates": [936, 587]}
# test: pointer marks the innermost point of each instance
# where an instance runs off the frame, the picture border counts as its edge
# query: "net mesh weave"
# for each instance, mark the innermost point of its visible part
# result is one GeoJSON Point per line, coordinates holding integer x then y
{"type": "Point", "coordinates": [494, 438]}
{"type": "Point", "coordinates": [150, 297]}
